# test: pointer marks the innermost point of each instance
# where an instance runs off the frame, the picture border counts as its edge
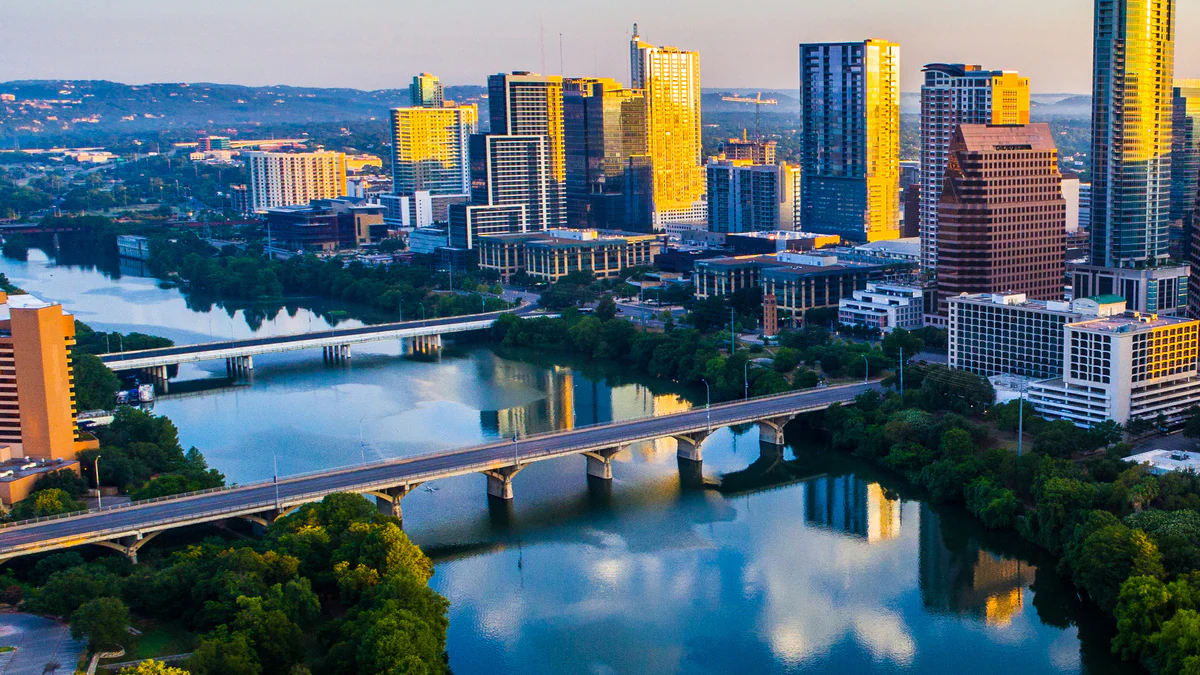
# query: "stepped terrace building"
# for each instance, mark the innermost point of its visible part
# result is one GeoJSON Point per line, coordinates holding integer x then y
{"type": "Point", "coordinates": [552, 254]}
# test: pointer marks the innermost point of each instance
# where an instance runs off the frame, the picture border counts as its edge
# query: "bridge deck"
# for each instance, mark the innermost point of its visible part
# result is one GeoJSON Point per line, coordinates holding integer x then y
{"type": "Point", "coordinates": [148, 517]}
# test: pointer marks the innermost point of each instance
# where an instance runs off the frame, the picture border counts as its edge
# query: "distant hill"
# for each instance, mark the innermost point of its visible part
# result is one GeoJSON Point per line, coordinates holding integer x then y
{"type": "Point", "coordinates": [57, 106]}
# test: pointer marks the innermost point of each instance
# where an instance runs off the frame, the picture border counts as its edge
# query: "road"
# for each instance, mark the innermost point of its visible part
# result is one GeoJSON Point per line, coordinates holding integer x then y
{"type": "Point", "coordinates": [260, 497]}
{"type": "Point", "coordinates": [39, 641]}
{"type": "Point", "coordinates": [118, 357]}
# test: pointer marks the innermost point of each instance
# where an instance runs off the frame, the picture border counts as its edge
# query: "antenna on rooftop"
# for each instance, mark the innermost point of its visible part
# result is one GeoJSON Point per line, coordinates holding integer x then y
{"type": "Point", "coordinates": [542, 34]}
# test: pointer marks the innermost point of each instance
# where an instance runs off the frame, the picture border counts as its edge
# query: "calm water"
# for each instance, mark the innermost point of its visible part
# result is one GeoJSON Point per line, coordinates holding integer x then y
{"type": "Point", "coordinates": [805, 563]}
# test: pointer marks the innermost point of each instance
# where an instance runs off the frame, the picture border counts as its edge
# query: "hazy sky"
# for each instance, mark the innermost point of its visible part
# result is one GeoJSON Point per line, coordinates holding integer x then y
{"type": "Point", "coordinates": [374, 44]}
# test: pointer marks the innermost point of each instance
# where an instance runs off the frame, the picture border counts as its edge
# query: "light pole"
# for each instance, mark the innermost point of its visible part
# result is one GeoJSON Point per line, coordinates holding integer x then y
{"type": "Point", "coordinates": [96, 468]}
{"type": "Point", "coordinates": [362, 445]}
{"type": "Point", "coordinates": [732, 333]}
{"type": "Point", "coordinates": [121, 342]}
{"type": "Point", "coordinates": [866, 369]}
{"type": "Point", "coordinates": [707, 403]}
{"type": "Point", "coordinates": [1020, 419]}
{"type": "Point", "coordinates": [275, 464]}
{"type": "Point", "coordinates": [746, 378]}
{"type": "Point", "coordinates": [516, 460]}
{"type": "Point", "coordinates": [902, 376]}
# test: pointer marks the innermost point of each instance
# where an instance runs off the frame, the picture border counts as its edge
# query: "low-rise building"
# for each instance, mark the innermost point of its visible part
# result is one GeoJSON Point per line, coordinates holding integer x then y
{"type": "Point", "coordinates": [1166, 461]}
{"type": "Point", "coordinates": [778, 241]}
{"type": "Point", "coordinates": [1124, 367]}
{"type": "Point", "coordinates": [884, 307]}
{"type": "Point", "coordinates": [552, 254]}
{"type": "Point", "coordinates": [427, 239]}
{"type": "Point", "coordinates": [325, 225]}
{"type": "Point", "coordinates": [133, 247]}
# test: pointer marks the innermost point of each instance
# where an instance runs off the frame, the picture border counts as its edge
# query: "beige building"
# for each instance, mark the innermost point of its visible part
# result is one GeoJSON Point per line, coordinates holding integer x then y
{"type": "Point", "coordinates": [552, 254]}
{"type": "Point", "coordinates": [291, 178]}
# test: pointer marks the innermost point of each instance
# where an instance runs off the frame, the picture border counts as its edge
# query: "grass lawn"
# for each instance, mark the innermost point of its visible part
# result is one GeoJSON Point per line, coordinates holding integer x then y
{"type": "Point", "coordinates": [161, 638]}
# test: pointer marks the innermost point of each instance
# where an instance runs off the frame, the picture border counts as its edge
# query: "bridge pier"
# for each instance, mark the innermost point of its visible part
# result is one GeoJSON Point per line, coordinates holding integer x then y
{"type": "Point", "coordinates": [499, 482]}
{"type": "Point", "coordinates": [238, 366]}
{"type": "Point", "coordinates": [425, 344]}
{"type": "Point", "coordinates": [336, 353]}
{"type": "Point", "coordinates": [158, 376]}
{"type": "Point", "coordinates": [599, 463]}
{"type": "Point", "coordinates": [388, 500]}
{"type": "Point", "coordinates": [130, 545]}
{"type": "Point", "coordinates": [770, 430]}
{"type": "Point", "coordinates": [689, 446]}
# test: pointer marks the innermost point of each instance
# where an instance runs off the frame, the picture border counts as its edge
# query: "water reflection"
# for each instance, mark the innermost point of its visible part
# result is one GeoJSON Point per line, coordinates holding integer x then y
{"type": "Point", "coordinates": [852, 506]}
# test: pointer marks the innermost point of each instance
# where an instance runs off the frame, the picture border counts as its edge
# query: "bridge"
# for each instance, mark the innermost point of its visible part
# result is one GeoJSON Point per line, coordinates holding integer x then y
{"type": "Point", "coordinates": [126, 528]}
{"type": "Point", "coordinates": [335, 344]}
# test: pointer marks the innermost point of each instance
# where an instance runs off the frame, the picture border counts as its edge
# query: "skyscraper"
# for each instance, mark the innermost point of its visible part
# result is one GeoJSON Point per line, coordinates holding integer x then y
{"type": "Point", "coordinates": [426, 91]}
{"type": "Point", "coordinates": [954, 94]}
{"type": "Point", "coordinates": [748, 197]}
{"type": "Point", "coordinates": [671, 80]}
{"type": "Point", "coordinates": [850, 139]}
{"type": "Point", "coordinates": [1134, 63]}
{"type": "Point", "coordinates": [528, 104]}
{"type": "Point", "coordinates": [429, 150]}
{"type": "Point", "coordinates": [511, 189]}
{"type": "Point", "coordinates": [604, 125]}
{"type": "Point", "coordinates": [290, 178]}
{"type": "Point", "coordinates": [1185, 151]}
{"type": "Point", "coordinates": [1002, 216]}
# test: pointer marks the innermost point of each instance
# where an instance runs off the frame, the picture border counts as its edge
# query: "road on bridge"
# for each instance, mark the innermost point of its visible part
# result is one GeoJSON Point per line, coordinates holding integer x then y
{"type": "Point", "coordinates": [117, 357]}
{"type": "Point", "coordinates": [149, 517]}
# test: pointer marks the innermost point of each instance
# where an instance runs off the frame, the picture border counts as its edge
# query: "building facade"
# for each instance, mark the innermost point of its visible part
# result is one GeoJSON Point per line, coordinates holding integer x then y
{"type": "Point", "coordinates": [671, 79]}
{"type": "Point", "coordinates": [747, 197]}
{"type": "Point", "coordinates": [528, 104]}
{"type": "Point", "coordinates": [604, 125]}
{"type": "Point", "coordinates": [1185, 153]}
{"type": "Point", "coordinates": [430, 150]}
{"type": "Point", "coordinates": [884, 307]}
{"type": "Point", "coordinates": [955, 94]}
{"type": "Point", "coordinates": [850, 139]}
{"type": "Point", "coordinates": [1002, 216]}
{"type": "Point", "coordinates": [288, 179]}
{"type": "Point", "coordinates": [553, 254]}
{"type": "Point", "coordinates": [426, 91]}
{"type": "Point", "coordinates": [325, 226]}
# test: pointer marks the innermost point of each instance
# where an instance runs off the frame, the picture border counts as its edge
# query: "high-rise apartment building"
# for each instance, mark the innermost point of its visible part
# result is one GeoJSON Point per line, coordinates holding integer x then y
{"type": "Point", "coordinates": [287, 179]}
{"type": "Point", "coordinates": [528, 104]}
{"type": "Point", "coordinates": [954, 94]}
{"type": "Point", "coordinates": [1185, 152]}
{"type": "Point", "coordinates": [430, 155]}
{"type": "Point", "coordinates": [671, 80]}
{"type": "Point", "coordinates": [426, 91]}
{"type": "Point", "coordinates": [1002, 217]}
{"type": "Point", "coordinates": [1134, 64]}
{"type": "Point", "coordinates": [747, 197]}
{"type": "Point", "coordinates": [756, 151]}
{"type": "Point", "coordinates": [850, 139]}
{"type": "Point", "coordinates": [604, 125]}
{"type": "Point", "coordinates": [511, 189]}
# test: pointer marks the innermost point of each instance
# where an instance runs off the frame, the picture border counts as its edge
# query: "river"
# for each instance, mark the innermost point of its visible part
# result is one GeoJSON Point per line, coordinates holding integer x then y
{"type": "Point", "coordinates": [813, 564]}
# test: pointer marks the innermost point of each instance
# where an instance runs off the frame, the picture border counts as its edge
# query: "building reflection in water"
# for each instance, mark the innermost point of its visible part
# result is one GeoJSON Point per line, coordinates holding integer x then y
{"type": "Point", "coordinates": [852, 506]}
{"type": "Point", "coordinates": [959, 577]}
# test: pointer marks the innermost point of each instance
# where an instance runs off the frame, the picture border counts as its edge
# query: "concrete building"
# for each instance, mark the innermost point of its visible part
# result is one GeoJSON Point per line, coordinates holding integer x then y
{"type": "Point", "coordinates": [671, 80]}
{"type": "Point", "coordinates": [1071, 195]}
{"type": "Point", "coordinates": [604, 125]}
{"type": "Point", "coordinates": [325, 225]}
{"type": "Point", "coordinates": [288, 179]}
{"type": "Point", "coordinates": [1185, 155]}
{"type": "Point", "coordinates": [430, 154]}
{"type": "Point", "coordinates": [884, 307]}
{"type": "Point", "coordinates": [850, 144]}
{"type": "Point", "coordinates": [1124, 367]}
{"type": "Point", "coordinates": [1002, 217]}
{"type": "Point", "coordinates": [756, 151]}
{"type": "Point", "coordinates": [133, 247]}
{"type": "Point", "coordinates": [37, 388]}
{"type": "Point", "coordinates": [427, 240]}
{"type": "Point", "coordinates": [552, 254]}
{"type": "Point", "coordinates": [1161, 462]}
{"type": "Point", "coordinates": [757, 243]}
{"type": "Point", "coordinates": [954, 94]}
{"type": "Point", "coordinates": [527, 104]}
{"type": "Point", "coordinates": [1011, 334]}
{"type": "Point", "coordinates": [1155, 289]}
{"type": "Point", "coordinates": [746, 197]}
{"type": "Point", "coordinates": [512, 190]}
{"type": "Point", "coordinates": [426, 91]}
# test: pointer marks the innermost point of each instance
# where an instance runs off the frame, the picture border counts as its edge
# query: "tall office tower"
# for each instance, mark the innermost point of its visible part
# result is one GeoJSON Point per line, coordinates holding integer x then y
{"type": "Point", "coordinates": [1134, 63]}
{"type": "Point", "coordinates": [1185, 151]}
{"type": "Point", "coordinates": [430, 154]}
{"type": "Point", "coordinates": [954, 94]}
{"type": "Point", "coordinates": [1002, 216]}
{"type": "Point", "coordinates": [426, 91]}
{"type": "Point", "coordinates": [287, 179]}
{"type": "Point", "coordinates": [604, 125]}
{"type": "Point", "coordinates": [511, 189]}
{"type": "Point", "coordinates": [850, 139]}
{"type": "Point", "coordinates": [747, 197]}
{"type": "Point", "coordinates": [528, 104]}
{"type": "Point", "coordinates": [671, 79]}
{"type": "Point", "coordinates": [37, 396]}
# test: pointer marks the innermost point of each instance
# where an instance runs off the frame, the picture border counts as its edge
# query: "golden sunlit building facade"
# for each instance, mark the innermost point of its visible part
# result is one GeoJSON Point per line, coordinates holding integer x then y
{"type": "Point", "coordinates": [430, 150]}
{"type": "Point", "coordinates": [671, 80]}
{"type": "Point", "coordinates": [850, 139]}
{"type": "Point", "coordinates": [291, 178]}
{"type": "Point", "coordinates": [528, 104]}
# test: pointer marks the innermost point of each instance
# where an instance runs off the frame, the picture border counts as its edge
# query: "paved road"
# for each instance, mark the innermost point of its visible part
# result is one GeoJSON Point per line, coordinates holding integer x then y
{"type": "Point", "coordinates": [149, 517]}
{"type": "Point", "coordinates": [38, 641]}
{"type": "Point", "coordinates": [117, 358]}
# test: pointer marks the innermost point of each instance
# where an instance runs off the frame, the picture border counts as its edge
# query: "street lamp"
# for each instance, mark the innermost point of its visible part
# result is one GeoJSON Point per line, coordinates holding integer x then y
{"type": "Point", "coordinates": [362, 445]}
{"type": "Point", "coordinates": [516, 460]}
{"type": "Point", "coordinates": [746, 378]}
{"type": "Point", "coordinates": [275, 464]}
{"type": "Point", "coordinates": [707, 403]}
{"type": "Point", "coordinates": [96, 468]}
{"type": "Point", "coordinates": [866, 370]}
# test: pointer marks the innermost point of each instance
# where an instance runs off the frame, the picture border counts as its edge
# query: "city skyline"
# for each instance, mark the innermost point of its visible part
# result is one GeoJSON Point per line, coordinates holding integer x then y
{"type": "Point", "coordinates": [165, 43]}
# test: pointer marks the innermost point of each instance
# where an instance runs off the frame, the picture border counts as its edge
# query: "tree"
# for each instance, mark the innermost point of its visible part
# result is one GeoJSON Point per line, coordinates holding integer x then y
{"type": "Point", "coordinates": [63, 479]}
{"type": "Point", "coordinates": [222, 652]}
{"type": "Point", "coordinates": [709, 314]}
{"type": "Point", "coordinates": [152, 667]}
{"type": "Point", "coordinates": [606, 310]}
{"type": "Point", "coordinates": [1111, 555]}
{"type": "Point", "coordinates": [901, 339]}
{"type": "Point", "coordinates": [95, 385]}
{"type": "Point", "coordinates": [49, 502]}
{"type": "Point", "coordinates": [1192, 428]}
{"type": "Point", "coordinates": [1177, 645]}
{"type": "Point", "coordinates": [67, 590]}
{"type": "Point", "coordinates": [103, 621]}
{"type": "Point", "coordinates": [1142, 606]}
{"type": "Point", "coordinates": [278, 641]}
{"type": "Point", "coordinates": [786, 360]}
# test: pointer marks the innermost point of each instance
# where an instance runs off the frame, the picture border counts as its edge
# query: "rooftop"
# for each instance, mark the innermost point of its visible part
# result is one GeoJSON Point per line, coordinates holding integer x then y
{"type": "Point", "coordinates": [1166, 461]}
{"type": "Point", "coordinates": [18, 468]}
{"type": "Point", "coordinates": [1131, 322]}
{"type": "Point", "coordinates": [24, 301]}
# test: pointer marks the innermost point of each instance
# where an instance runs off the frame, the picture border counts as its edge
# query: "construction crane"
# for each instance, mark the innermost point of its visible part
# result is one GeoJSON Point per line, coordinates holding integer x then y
{"type": "Point", "coordinates": [758, 102]}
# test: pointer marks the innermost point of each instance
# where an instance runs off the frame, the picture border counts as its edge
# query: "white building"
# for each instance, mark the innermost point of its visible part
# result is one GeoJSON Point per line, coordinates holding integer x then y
{"type": "Point", "coordinates": [292, 178]}
{"type": "Point", "coordinates": [1165, 461]}
{"type": "Point", "coordinates": [1123, 367]}
{"type": "Point", "coordinates": [427, 239]}
{"type": "Point", "coordinates": [885, 307]}
{"type": "Point", "coordinates": [1071, 193]}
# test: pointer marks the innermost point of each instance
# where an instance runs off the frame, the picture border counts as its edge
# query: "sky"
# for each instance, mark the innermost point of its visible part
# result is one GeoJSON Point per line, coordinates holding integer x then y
{"type": "Point", "coordinates": [379, 44]}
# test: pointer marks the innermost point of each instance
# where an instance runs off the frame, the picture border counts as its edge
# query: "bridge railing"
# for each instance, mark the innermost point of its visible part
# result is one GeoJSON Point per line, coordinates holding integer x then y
{"type": "Point", "coordinates": [346, 468]}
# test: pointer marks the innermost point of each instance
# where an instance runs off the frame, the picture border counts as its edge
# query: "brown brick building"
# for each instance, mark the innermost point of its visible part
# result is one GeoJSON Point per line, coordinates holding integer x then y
{"type": "Point", "coordinates": [1002, 216]}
